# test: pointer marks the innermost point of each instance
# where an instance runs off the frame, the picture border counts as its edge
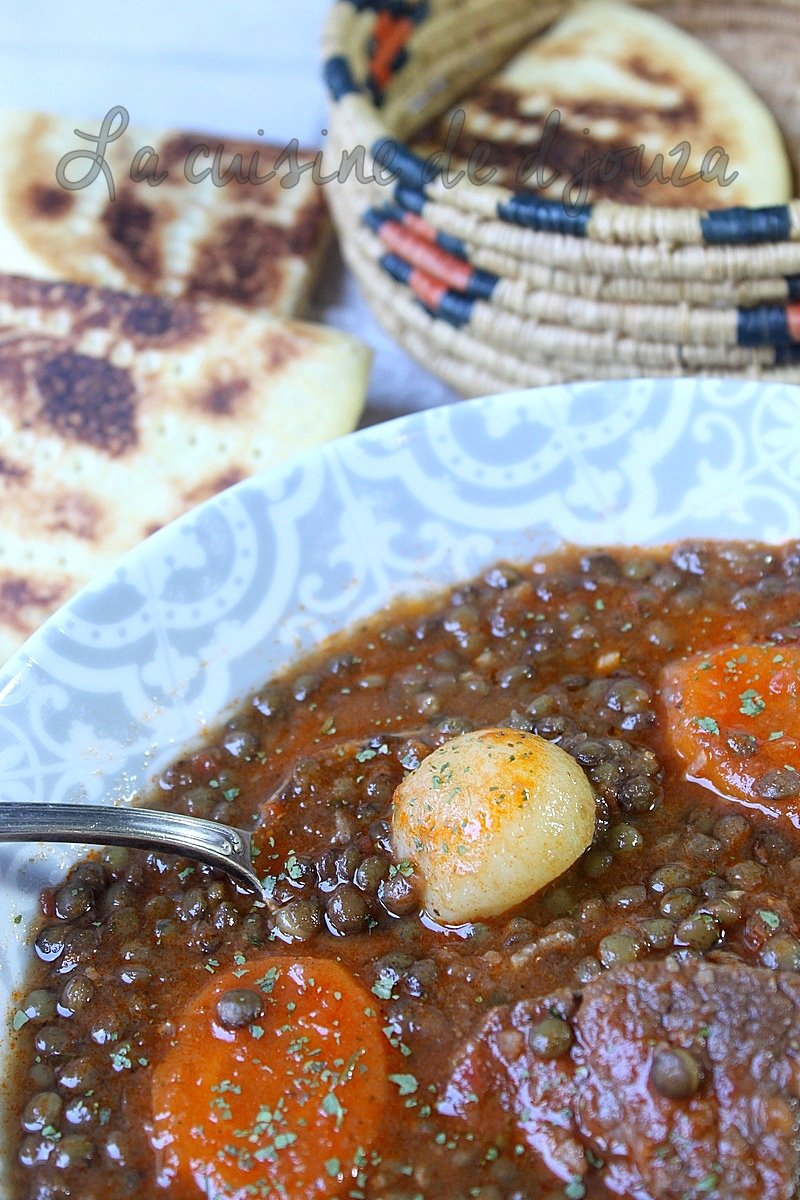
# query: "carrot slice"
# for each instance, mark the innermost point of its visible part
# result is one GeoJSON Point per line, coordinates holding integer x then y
{"type": "Point", "coordinates": [734, 719]}
{"type": "Point", "coordinates": [287, 1106]}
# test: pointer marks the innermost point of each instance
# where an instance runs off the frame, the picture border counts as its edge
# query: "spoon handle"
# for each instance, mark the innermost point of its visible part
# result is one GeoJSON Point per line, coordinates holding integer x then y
{"type": "Point", "coordinates": [145, 828]}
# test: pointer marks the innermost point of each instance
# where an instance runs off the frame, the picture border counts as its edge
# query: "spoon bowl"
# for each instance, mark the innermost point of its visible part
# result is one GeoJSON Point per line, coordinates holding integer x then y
{"type": "Point", "coordinates": [208, 842]}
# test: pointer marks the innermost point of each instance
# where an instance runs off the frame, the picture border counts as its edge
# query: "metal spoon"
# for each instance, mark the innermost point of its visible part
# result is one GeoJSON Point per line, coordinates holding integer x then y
{"type": "Point", "coordinates": [145, 828]}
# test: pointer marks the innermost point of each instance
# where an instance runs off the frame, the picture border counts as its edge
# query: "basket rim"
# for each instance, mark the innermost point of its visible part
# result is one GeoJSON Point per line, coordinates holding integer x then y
{"type": "Point", "coordinates": [602, 221]}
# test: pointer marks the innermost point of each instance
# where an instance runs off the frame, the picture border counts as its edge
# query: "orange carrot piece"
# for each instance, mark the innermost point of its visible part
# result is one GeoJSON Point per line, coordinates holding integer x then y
{"type": "Point", "coordinates": [733, 717]}
{"type": "Point", "coordinates": [284, 1108]}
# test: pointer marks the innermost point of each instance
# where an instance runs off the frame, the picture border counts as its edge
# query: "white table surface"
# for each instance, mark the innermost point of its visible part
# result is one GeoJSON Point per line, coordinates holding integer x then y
{"type": "Point", "coordinates": [225, 66]}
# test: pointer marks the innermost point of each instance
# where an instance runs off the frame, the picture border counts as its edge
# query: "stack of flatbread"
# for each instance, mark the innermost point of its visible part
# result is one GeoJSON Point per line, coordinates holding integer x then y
{"type": "Point", "coordinates": [119, 412]}
{"type": "Point", "coordinates": [256, 243]}
{"type": "Point", "coordinates": [565, 118]}
{"type": "Point", "coordinates": [147, 355]}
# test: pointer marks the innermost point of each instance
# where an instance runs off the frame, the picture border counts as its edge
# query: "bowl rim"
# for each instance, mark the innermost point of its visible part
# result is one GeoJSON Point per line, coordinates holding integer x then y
{"type": "Point", "coordinates": [395, 427]}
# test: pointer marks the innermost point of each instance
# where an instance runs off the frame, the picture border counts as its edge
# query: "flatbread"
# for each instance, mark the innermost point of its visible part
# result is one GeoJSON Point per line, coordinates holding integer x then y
{"type": "Point", "coordinates": [620, 78]}
{"type": "Point", "coordinates": [119, 412]}
{"type": "Point", "coordinates": [258, 244]}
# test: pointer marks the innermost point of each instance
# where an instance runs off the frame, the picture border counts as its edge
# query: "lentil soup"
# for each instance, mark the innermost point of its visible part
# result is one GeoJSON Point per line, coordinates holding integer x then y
{"type": "Point", "coordinates": [630, 1028]}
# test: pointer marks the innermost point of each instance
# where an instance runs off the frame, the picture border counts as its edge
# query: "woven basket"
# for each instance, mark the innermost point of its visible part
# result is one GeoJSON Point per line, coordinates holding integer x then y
{"type": "Point", "coordinates": [495, 290]}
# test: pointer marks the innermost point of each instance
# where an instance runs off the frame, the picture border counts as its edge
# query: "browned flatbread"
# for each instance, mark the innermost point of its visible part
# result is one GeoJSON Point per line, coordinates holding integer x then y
{"type": "Point", "coordinates": [119, 412]}
{"type": "Point", "coordinates": [619, 78]}
{"type": "Point", "coordinates": [258, 244]}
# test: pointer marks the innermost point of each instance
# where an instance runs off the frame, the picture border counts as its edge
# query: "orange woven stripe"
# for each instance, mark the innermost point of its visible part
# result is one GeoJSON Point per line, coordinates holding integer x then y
{"type": "Point", "coordinates": [420, 226]}
{"type": "Point", "coordinates": [431, 259]}
{"type": "Point", "coordinates": [430, 291]}
{"type": "Point", "coordinates": [793, 321]}
{"type": "Point", "coordinates": [391, 34]}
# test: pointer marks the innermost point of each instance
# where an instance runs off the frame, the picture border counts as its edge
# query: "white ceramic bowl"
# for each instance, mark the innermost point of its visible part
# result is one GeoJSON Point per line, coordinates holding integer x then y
{"type": "Point", "coordinates": [139, 664]}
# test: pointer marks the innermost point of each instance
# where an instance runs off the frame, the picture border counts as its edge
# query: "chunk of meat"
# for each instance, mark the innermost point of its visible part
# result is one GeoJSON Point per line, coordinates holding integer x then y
{"type": "Point", "coordinates": [515, 1084]}
{"type": "Point", "coordinates": [683, 1079]}
{"type": "Point", "coordinates": [734, 1137]}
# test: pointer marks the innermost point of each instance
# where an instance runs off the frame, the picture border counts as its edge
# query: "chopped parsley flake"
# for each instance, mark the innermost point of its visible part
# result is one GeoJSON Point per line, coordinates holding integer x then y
{"type": "Point", "coordinates": [268, 982]}
{"type": "Point", "coordinates": [293, 867]}
{"type": "Point", "coordinates": [382, 987]}
{"type": "Point", "coordinates": [751, 706]}
{"type": "Point", "coordinates": [406, 1083]}
{"type": "Point", "coordinates": [707, 724]}
{"type": "Point", "coordinates": [331, 1106]}
{"type": "Point", "coordinates": [709, 1183]}
{"type": "Point", "coordinates": [120, 1058]}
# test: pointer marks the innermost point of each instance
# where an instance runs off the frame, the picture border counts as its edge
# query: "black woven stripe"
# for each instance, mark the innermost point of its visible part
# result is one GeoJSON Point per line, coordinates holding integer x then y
{"type": "Point", "coordinates": [375, 91]}
{"type": "Point", "coordinates": [410, 199]}
{"type": "Point", "coordinates": [395, 8]}
{"type": "Point", "coordinates": [793, 286]}
{"type": "Point", "coordinates": [455, 309]}
{"type": "Point", "coordinates": [400, 59]}
{"type": "Point", "coordinates": [746, 226]}
{"type": "Point", "coordinates": [375, 219]}
{"type": "Point", "coordinates": [339, 78]}
{"type": "Point", "coordinates": [483, 283]}
{"type": "Point", "coordinates": [765, 325]}
{"type": "Point", "coordinates": [397, 267]}
{"type": "Point", "coordinates": [787, 356]}
{"type": "Point", "coordinates": [392, 212]}
{"type": "Point", "coordinates": [453, 245]}
{"type": "Point", "coordinates": [412, 170]}
{"type": "Point", "coordinates": [548, 216]}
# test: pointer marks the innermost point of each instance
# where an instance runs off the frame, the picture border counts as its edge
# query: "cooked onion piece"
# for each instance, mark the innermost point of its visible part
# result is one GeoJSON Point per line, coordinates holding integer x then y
{"type": "Point", "coordinates": [489, 819]}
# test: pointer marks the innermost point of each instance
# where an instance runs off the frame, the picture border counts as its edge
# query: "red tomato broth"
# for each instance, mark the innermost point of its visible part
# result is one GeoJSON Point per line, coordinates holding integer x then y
{"type": "Point", "coordinates": [577, 646]}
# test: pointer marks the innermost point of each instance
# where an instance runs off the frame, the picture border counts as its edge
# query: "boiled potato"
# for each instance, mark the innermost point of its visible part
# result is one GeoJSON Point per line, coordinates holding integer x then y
{"type": "Point", "coordinates": [489, 819]}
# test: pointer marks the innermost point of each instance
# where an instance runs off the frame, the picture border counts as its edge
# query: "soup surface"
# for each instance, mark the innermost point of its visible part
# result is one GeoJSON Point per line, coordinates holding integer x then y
{"type": "Point", "coordinates": [631, 1029]}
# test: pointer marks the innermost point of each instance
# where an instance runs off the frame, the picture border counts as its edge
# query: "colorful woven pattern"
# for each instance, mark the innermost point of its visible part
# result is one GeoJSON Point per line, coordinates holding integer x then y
{"type": "Point", "coordinates": [493, 288]}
